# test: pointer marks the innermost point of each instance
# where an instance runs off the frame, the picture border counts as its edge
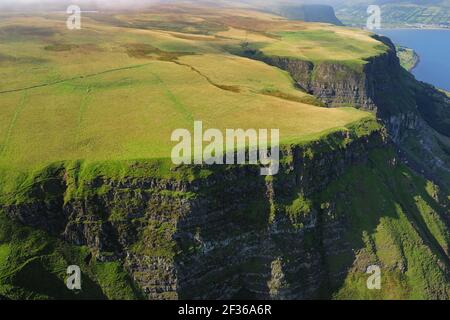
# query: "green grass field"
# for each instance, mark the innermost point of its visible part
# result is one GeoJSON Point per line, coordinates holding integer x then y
{"type": "Point", "coordinates": [324, 43]}
{"type": "Point", "coordinates": [116, 89]}
{"type": "Point", "coordinates": [109, 93]}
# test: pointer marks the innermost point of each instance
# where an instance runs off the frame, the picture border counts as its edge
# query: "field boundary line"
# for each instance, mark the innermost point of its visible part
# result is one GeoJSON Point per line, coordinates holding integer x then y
{"type": "Point", "coordinates": [74, 78]}
{"type": "Point", "coordinates": [81, 110]}
{"type": "Point", "coordinates": [231, 88]}
{"type": "Point", "coordinates": [177, 104]}
{"type": "Point", "coordinates": [12, 124]}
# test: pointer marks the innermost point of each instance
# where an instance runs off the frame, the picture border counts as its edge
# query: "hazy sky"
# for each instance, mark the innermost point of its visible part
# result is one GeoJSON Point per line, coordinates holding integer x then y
{"type": "Point", "coordinates": [43, 5]}
{"type": "Point", "coordinates": [128, 2]}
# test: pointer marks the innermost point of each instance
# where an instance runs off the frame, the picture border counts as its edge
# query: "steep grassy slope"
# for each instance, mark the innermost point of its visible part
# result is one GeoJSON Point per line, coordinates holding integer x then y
{"type": "Point", "coordinates": [396, 223]}
{"type": "Point", "coordinates": [33, 266]}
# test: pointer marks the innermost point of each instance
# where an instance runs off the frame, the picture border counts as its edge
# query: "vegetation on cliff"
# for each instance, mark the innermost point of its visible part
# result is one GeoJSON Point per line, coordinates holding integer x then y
{"type": "Point", "coordinates": [33, 265]}
{"type": "Point", "coordinates": [409, 59]}
{"type": "Point", "coordinates": [380, 213]}
{"type": "Point", "coordinates": [399, 221]}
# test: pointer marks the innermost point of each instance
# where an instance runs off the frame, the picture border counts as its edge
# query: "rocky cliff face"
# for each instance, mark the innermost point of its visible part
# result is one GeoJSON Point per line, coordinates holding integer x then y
{"type": "Point", "coordinates": [377, 85]}
{"type": "Point", "coordinates": [234, 234]}
{"type": "Point", "coordinates": [312, 231]}
{"type": "Point", "coordinates": [405, 106]}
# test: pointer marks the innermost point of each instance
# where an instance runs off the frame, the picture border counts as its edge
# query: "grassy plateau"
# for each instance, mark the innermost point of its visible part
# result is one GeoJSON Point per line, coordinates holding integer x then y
{"type": "Point", "coordinates": [117, 88]}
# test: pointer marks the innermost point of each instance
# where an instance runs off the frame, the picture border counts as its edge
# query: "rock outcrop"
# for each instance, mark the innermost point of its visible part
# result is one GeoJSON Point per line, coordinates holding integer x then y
{"type": "Point", "coordinates": [227, 236]}
{"type": "Point", "coordinates": [377, 85]}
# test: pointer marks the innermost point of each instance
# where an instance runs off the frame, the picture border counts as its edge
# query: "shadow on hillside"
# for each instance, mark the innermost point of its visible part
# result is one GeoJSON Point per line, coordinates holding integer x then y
{"type": "Point", "coordinates": [234, 248]}
{"type": "Point", "coordinates": [373, 209]}
{"type": "Point", "coordinates": [225, 241]}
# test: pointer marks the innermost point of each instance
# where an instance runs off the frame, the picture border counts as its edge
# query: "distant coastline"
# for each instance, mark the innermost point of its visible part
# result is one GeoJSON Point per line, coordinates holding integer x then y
{"type": "Point", "coordinates": [430, 63]}
{"type": "Point", "coordinates": [412, 27]}
{"type": "Point", "coordinates": [403, 26]}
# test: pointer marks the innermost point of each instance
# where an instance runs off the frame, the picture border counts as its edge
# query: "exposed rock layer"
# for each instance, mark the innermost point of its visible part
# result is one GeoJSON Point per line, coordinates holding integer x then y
{"type": "Point", "coordinates": [225, 237]}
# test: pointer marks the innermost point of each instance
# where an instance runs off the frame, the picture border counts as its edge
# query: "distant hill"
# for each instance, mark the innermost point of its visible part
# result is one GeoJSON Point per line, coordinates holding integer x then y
{"type": "Point", "coordinates": [395, 13]}
{"type": "Point", "coordinates": [310, 13]}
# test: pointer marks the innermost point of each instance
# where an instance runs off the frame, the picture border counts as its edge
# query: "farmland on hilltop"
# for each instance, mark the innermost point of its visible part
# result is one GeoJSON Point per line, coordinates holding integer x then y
{"type": "Point", "coordinates": [117, 88]}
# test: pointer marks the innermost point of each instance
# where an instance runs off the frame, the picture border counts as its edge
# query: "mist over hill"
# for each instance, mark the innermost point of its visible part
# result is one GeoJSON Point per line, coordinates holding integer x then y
{"type": "Point", "coordinates": [310, 11]}
{"type": "Point", "coordinates": [351, 12]}
{"type": "Point", "coordinates": [46, 5]}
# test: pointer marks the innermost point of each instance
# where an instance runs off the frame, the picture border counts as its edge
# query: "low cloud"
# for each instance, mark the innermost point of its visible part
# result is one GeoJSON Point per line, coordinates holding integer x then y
{"type": "Point", "coordinates": [43, 5]}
